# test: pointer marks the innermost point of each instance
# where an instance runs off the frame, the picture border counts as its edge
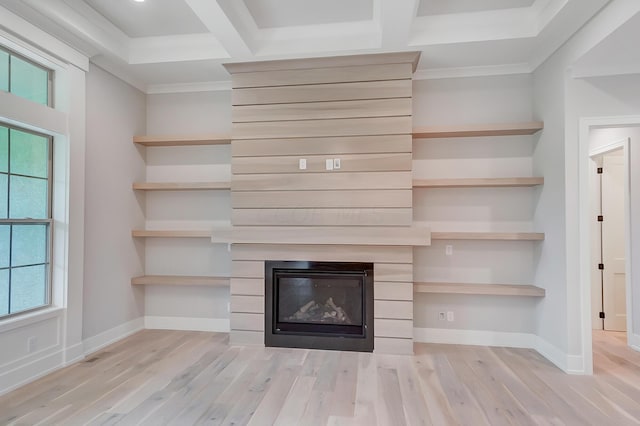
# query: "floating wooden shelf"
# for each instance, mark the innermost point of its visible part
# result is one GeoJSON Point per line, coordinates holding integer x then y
{"type": "Point", "coordinates": [145, 233]}
{"type": "Point", "coordinates": [478, 182]}
{"type": "Point", "coordinates": [181, 280]}
{"type": "Point", "coordinates": [479, 289]}
{"type": "Point", "coordinates": [464, 131]}
{"type": "Point", "coordinates": [180, 186]}
{"type": "Point", "coordinates": [515, 236]}
{"type": "Point", "coordinates": [182, 140]}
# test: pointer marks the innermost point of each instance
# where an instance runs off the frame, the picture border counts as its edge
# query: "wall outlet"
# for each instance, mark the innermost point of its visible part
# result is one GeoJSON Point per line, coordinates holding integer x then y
{"type": "Point", "coordinates": [329, 164]}
{"type": "Point", "coordinates": [302, 164]}
{"type": "Point", "coordinates": [336, 163]}
{"type": "Point", "coordinates": [441, 316]}
{"type": "Point", "coordinates": [32, 344]}
{"type": "Point", "coordinates": [229, 307]}
{"type": "Point", "coordinates": [450, 316]}
{"type": "Point", "coordinates": [448, 249]}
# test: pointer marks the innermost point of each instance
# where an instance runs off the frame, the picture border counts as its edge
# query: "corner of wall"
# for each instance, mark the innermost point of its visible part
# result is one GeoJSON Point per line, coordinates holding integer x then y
{"type": "Point", "coordinates": [571, 364]}
{"type": "Point", "coordinates": [99, 341]}
{"type": "Point", "coordinates": [634, 342]}
{"type": "Point", "coordinates": [473, 337]}
{"type": "Point", "coordinates": [219, 325]}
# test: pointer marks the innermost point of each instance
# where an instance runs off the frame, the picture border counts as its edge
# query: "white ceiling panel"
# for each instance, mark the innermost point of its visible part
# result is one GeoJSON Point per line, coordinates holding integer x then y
{"type": "Point", "coordinates": [288, 13]}
{"type": "Point", "coordinates": [616, 55]}
{"type": "Point", "coordinates": [150, 18]}
{"type": "Point", "coordinates": [442, 7]}
{"type": "Point", "coordinates": [463, 55]}
{"type": "Point", "coordinates": [159, 43]}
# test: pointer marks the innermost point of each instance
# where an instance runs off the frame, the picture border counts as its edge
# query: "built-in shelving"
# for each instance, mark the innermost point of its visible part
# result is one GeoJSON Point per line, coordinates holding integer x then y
{"type": "Point", "coordinates": [478, 182]}
{"type": "Point", "coordinates": [463, 131]}
{"type": "Point", "coordinates": [479, 289]}
{"type": "Point", "coordinates": [147, 233]}
{"type": "Point", "coordinates": [182, 140]}
{"type": "Point", "coordinates": [180, 186]}
{"type": "Point", "coordinates": [181, 280]}
{"type": "Point", "coordinates": [500, 236]}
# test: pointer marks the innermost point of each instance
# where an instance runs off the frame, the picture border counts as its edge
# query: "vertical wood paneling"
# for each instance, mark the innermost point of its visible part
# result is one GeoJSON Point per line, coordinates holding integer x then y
{"type": "Point", "coordinates": [247, 304]}
{"type": "Point", "coordinates": [390, 254]}
{"type": "Point", "coordinates": [331, 147]}
{"type": "Point", "coordinates": [322, 217]}
{"type": "Point", "coordinates": [357, 113]}
{"type": "Point", "coordinates": [322, 92]}
{"type": "Point", "coordinates": [392, 291]}
{"type": "Point", "coordinates": [321, 75]}
{"type": "Point", "coordinates": [247, 286]}
{"type": "Point", "coordinates": [323, 110]}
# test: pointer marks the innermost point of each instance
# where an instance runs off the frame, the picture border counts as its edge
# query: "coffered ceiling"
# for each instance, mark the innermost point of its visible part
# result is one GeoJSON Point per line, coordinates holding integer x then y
{"type": "Point", "coordinates": [179, 45]}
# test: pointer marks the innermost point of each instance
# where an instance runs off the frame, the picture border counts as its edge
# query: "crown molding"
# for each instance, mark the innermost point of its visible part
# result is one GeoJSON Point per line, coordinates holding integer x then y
{"type": "Point", "coordinates": [206, 86]}
{"type": "Point", "coordinates": [465, 72]}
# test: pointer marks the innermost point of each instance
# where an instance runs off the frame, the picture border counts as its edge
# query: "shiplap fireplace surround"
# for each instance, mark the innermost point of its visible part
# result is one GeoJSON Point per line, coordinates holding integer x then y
{"type": "Point", "coordinates": [356, 109]}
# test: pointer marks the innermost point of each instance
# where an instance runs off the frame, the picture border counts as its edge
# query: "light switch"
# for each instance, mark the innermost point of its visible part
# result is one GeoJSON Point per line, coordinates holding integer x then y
{"type": "Point", "coordinates": [302, 164]}
{"type": "Point", "coordinates": [329, 164]}
{"type": "Point", "coordinates": [336, 163]}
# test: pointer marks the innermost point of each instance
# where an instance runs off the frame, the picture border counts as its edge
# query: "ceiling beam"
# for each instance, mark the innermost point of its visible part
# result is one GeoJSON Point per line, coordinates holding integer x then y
{"type": "Point", "coordinates": [82, 21]}
{"type": "Point", "coordinates": [175, 48]}
{"type": "Point", "coordinates": [219, 22]}
{"type": "Point", "coordinates": [395, 19]}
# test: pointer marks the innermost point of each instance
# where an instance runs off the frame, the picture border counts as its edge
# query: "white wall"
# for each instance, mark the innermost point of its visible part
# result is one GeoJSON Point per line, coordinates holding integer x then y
{"type": "Point", "coordinates": [188, 114]}
{"type": "Point", "coordinates": [634, 258]}
{"type": "Point", "coordinates": [561, 102]}
{"type": "Point", "coordinates": [115, 113]}
{"type": "Point", "coordinates": [549, 217]}
{"type": "Point", "coordinates": [56, 331]}
{"type": "Point", "coordinates": [481, 100]}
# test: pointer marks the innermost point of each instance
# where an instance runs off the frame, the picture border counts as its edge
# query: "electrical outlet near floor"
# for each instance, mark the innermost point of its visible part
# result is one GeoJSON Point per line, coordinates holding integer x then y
{"type": "Point", "coordinates": [442, 316]}
{"type": "Point", "coordinates": [450, 316]}
{"type": "Point", "coordinates": [448, 250]}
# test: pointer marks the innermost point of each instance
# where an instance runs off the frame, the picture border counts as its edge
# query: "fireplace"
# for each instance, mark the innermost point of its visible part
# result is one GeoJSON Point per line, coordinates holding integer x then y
{"type": "Point", "coordinates": [319, 305]}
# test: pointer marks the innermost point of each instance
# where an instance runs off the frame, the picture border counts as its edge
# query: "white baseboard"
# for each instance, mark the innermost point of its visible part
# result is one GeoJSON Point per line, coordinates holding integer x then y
{"type": "Point", "coordinates": [31, 371]}
{"type": "Point", "coordinates": [473, 337]}
{"type": "Point", "coordinates": [194, 324]}
{"type": "Point", "coordinates": [634, 342]}
{"type": "Point", "coordinates": [558, 357]}
{"type": "Point", "coordinates": [55, 358]}
{"type": "Point", "coordinates": [99, 341]}
{"type": "Point", "coordinates": [74, 353]}
{"type": "Point", "coordinates": [570, 364]}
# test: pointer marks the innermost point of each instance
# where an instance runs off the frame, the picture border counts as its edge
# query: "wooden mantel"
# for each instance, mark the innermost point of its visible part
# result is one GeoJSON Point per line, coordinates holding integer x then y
{"type": "Point", "coordinates": [355, 236]}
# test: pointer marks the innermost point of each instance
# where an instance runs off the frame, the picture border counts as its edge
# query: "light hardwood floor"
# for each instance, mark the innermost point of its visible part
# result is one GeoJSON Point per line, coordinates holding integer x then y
{"type": "Point", "coordinates": [183, 378]}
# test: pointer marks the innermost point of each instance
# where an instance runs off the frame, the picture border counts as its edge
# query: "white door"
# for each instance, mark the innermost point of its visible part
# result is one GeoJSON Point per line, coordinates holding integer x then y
{"type": "Point", "coordinates": [613, 242]}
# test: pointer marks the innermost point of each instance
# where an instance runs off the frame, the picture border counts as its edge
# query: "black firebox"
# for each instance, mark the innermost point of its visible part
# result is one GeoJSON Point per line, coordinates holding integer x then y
{"type": "Point", "coordinates": [319, 305]}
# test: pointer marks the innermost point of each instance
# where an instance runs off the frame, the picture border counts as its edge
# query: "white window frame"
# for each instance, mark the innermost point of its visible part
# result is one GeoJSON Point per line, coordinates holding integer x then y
{"type": "Point", "coordinates": [48, 221]}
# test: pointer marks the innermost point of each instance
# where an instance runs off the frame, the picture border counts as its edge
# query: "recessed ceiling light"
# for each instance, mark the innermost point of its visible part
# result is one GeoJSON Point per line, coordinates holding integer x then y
{"type": "Point", "coordinates": [139, 1]}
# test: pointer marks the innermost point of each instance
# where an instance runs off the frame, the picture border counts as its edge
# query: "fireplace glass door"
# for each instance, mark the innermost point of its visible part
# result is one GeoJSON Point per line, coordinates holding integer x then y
{"type": "Point", "coordinates": [319, 305]}
{"type": "Point", "coordinates": [319, 302]}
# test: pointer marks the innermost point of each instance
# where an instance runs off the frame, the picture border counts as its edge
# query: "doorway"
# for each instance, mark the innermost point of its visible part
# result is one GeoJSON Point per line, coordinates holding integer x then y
{"type": "Point", "coordinates": [595, 139]}
{"type": "Point", "coordinates": [609, 281]}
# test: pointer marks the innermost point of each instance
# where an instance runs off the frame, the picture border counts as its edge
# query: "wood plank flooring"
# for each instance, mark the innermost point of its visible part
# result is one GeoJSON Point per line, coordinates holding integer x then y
{"type": "Point", "coordinates": [183, 378]}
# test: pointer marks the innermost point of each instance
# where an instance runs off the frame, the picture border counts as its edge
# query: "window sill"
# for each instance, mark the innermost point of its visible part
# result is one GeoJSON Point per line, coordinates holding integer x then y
{"type": "Point", "coordinates": [30, 318]}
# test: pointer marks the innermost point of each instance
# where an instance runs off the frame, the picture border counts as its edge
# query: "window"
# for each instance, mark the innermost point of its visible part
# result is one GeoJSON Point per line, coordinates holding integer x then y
{"type": "Point", "coordinates": [24, 78]}
{"type": "Point", "coordinates": [25, 220]}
